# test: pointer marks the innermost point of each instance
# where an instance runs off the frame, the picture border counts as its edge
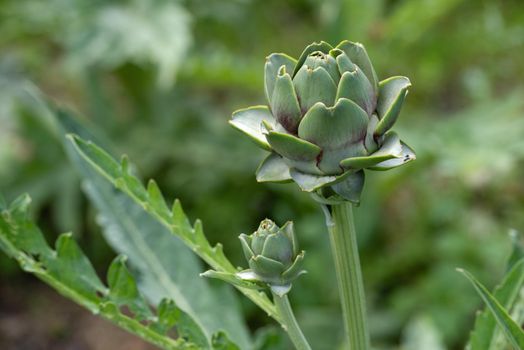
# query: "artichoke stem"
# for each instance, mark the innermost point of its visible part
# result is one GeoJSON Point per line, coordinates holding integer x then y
{"type": "Point", "coordinates": [343, 237]}
{"type": "Point", "coordinates": [290, 323]}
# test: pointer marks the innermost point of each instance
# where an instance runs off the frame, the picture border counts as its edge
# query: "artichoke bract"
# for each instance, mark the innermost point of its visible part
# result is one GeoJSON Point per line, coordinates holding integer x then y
{"type": "Point", "coordinates": [328, 119]}
{"type": "Point", "coordinates": [273, 256]}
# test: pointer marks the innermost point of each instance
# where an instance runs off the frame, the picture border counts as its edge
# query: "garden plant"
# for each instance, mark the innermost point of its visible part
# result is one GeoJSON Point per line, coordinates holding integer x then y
{"type": "Point", "coordinates": [327, 123]}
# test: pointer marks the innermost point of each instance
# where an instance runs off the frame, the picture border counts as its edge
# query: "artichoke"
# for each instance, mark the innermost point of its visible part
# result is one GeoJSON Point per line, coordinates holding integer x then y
{"type": "Point", "coordinates": [328, 119]}
{"type": "Point", "coordinates": [273, 256]}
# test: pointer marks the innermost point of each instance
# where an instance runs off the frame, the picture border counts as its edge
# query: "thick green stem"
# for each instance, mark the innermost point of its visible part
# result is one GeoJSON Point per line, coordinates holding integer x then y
{"type": "Point", "coordinates": [289, 323]}
{"type": "Point", "coordinates": [344, 248]}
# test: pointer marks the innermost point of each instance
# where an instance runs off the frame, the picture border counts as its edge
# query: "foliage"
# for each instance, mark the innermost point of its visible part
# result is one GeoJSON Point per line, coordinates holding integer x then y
{"type": "Point", "coordinates": [451, 208]}
{"type": "Point", "coordinates": [69, 271]}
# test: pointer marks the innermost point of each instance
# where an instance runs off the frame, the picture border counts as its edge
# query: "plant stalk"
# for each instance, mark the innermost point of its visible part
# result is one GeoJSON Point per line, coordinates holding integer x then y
{"type": "Point", "coordinates": [290, 323]}
{"type": "Point", "coordinates": [343, 237]}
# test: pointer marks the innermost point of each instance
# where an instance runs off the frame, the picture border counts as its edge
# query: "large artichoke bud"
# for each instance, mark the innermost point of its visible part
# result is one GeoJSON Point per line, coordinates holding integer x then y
{"type": "Point", "coordinates": [273, 256]}
{"type": "Point", "coordinates": [328, 119]}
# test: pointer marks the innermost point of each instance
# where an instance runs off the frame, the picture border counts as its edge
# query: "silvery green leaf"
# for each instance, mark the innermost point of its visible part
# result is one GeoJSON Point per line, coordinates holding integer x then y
{"type": "Point", "coordinates": [326, 61]}
{"type": "Point", "coordinates": [295, 269]}
{"type": "Point", "coordinates": [339, 131]}
{"type": "Point", "coordinates": [289, 229]}
{"type": "Point", "coordinates": [321, 46]}
{"type": "Point", "coordinates": [358, 55]}
{"type": "Point", "coordinates": [406, 156]}
{"type": "Point", "coordinates": [370, 143]}
{"type": "Point", "coordinates": [273, 169]}
{"type": "Point", "coordinates": [250, 122]}
{"type": "Point", "coordinates": [350, 188]}
{"type": "Point", "coordinates": [274, 63]}
{"type": "Point", "coordinates": [292, 147]}
{"type": "Point", "coordinates": [266, 268]}
{"type": "Point", "coordinates": [153, 251]}
{"type": "Point", "coordinates": [245, 242]}
{"type": "Point", "coordinates": [279, 248]}
{"type": "Point", "coordinates": [314, 85]}
{"type": "Point", "coordinates": [310, 183]}
{"type": "Point", "coordinates": [391, 95]}
{"type": "Point", "coordinates": [344, 63]}
{"type": "Point", "coordinates": [356, 87]}
{"type": "Point", "coordinates": [391, 148]}
{"type": "Point", "coordinates": [284, 102]}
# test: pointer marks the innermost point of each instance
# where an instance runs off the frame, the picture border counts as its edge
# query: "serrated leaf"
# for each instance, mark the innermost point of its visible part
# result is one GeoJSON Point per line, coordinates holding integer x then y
{"type": "Point", "coordinates": [169, 315]}
{"type": "Point", "coordinates": [80, 272]}
{"type": "Point", "coordinates": [156, 199]}
{"type": "Point", "coordinates": [168, 269]}
{"type": "Point", "coordinates": [69, 271]}
{"type": "Point", "coordinates": [123, 290]}
{"type": "Point", "coordinates": [220, 341]}
{"type": "Point", "coordinates": [510, 328]}
{"type": "Point", "coordinates": [177, 224]}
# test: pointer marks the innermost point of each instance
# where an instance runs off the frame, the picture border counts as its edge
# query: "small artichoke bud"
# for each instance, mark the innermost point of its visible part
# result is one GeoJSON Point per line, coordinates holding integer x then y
{"type": "Point", "coordinates": [273, 255]}
{"type": "Point", "coordinates": [328, 119]}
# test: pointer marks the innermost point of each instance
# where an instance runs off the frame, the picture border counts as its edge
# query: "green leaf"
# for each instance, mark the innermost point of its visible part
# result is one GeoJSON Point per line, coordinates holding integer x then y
{"type": "Point", "coordinates": [124, 291]}
{"type": "Point", "coordinates": [406, 156]}
{"type": "Point", "coordinates": [167, 268]}
{"type": "Point", "coordinates": [391, 148]}
{"type": "Point", "coordinates": [391, 95]}
{"type": "Point", "coordinates": [351, 187]}
{"type": "Point", "coordinates": [177, 222]}
{"type": "Point", "coordinates": [485, 335]}
{"type": "Point", "coordinates": [339, 131]}
{"type": "Point", "coordinates": [169, 314]}
{"type": "Point", "coordinates": [69, 271]}
{"type": "Point", "coordinates": [249, 121]}
{"type": "Point", "coordinates": [292, 147]}
{"type": "Point", "coordinates": [80, 272]}
{"type": "Point", "coordinates": [312, 86]}
{"type": "Point", "coordinates": [220, 341]}
{"type": "Point", "coordinates": [266, 267]}
{"type": "Point", "coordinates": [295, 269]}
{"type": "Point", "coordinates": [326, 61]}
{"type": "Point", "coordinates": [358, 55]}
{"type": "Point", "coordinates": [274, 63]}
{"type": "Point", "coordinates": [284, 102]}
{"type": "Point", "coordinates": [355, 86]}
{"type": "Point", "coordinates": [308, 182]}
{"type": "Point", "coordinates": [511, 329]}
{"type": "Point", "coordinates": [273, 169]}
{"type": "Point", "coordinates": [321, 46]}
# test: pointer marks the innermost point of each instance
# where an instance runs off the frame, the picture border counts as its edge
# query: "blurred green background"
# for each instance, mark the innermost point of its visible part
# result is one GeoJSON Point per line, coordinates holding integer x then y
{"type": "Point", "coordinates": [159, 79]}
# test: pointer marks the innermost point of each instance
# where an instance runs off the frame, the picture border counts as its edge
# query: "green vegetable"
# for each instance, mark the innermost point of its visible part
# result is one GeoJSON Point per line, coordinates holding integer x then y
{"type": "Point", "coordinates": [273, 256]}
{"type": "Point", "coordinates": [328, 119]}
